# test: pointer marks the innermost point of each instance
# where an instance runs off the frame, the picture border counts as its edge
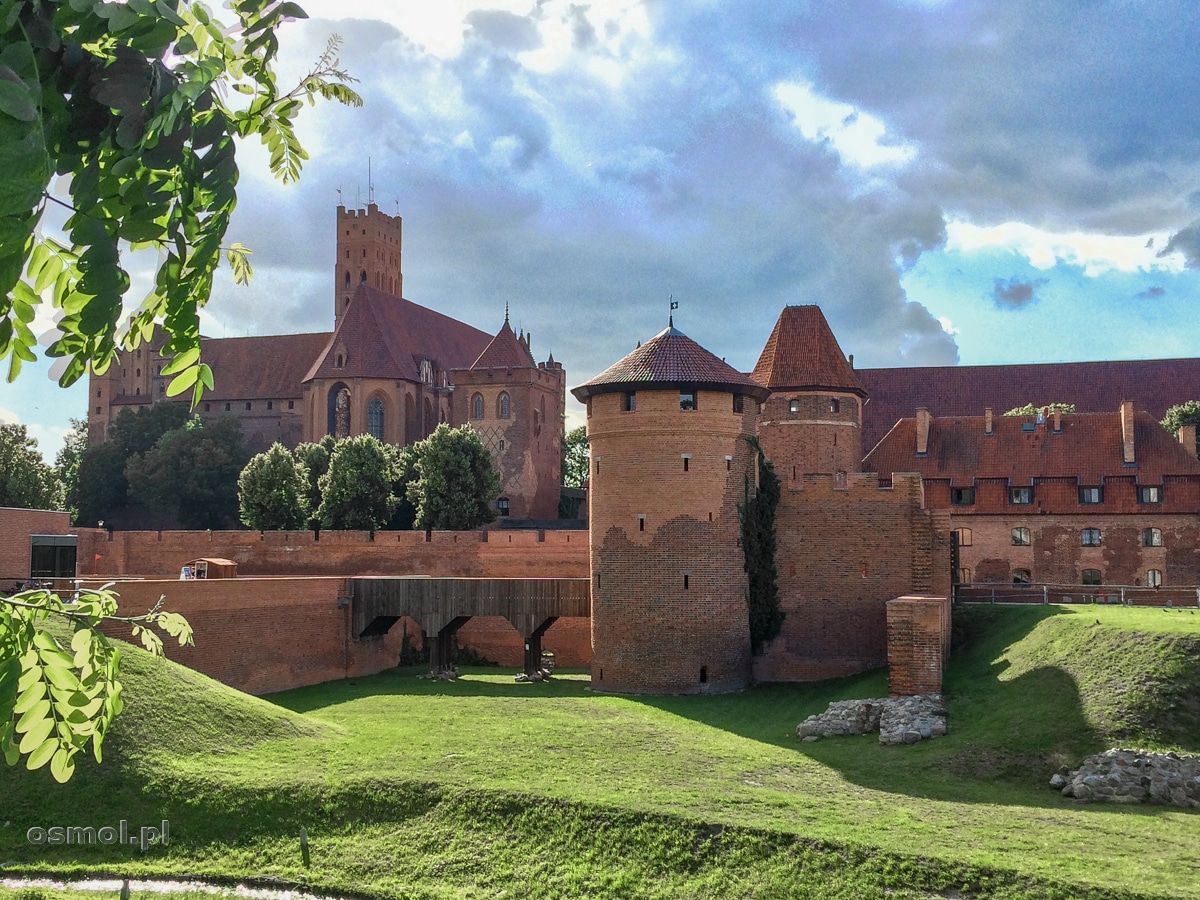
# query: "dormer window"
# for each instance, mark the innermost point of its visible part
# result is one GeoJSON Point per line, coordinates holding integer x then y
{"type": "Point", "coordinates": [341, 361]}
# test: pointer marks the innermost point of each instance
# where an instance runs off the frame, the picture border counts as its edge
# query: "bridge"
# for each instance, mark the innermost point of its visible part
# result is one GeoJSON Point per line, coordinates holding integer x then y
{"type": "Point", "coordinates": [443, 605]}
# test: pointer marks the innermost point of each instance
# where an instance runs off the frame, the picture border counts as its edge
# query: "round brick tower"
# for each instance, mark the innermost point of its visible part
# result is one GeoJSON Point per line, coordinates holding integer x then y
{"type": "Point", "coordinates": [669, 464]}
{"type": "Point", "coordinates": [812, 422]}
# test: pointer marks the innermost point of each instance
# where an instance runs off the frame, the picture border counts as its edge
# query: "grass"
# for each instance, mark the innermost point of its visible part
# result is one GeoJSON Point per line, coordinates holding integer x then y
{"type": "Point", "coordinates": [487, 788]}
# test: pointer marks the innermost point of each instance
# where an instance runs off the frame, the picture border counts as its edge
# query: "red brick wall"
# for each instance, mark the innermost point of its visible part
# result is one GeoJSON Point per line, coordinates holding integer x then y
{"type": "Point", "coordinates": [265, 634]}
{"type": "Point", "coordinates": [652, 632]}
{"type": "Point", "coordinates": [16, 525]}
{"type": "Point", "coordinates": [1056, 553]}
{"type": "Point", "coordinates": [569, 639]}
{"type": "Point", "coordinates": [813, 439]}
{"type": "Point", "coordinates": [918, 643]}
{"type": "Point", "coordinates": [1060, 496]}
{"type": "Point", "coordinates": [845, 548]}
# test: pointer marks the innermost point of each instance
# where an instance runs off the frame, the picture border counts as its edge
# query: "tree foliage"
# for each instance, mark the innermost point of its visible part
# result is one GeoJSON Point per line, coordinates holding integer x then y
{"type": "Point", "coordinates": [312, 461]}
{"type": "Point", "coordinates": [135, 103]}
{"type": "Point", "coordinates": [576, 457]}
{"type": "Point", "coordinates": [54, 701]}
{"type": "Point", "coordinates": [1030, 410]}
{"type": "Point", "coordinates": [66, 462]}
{"type": "Point", "coordinates": [404, 473]}
{"type": "Point", "coordinates": [356, 492]}
{"type": "Point", "coordinates": [456, 482]}
{"type": "Point", "coordinates": [25, 479]}
{"type": "Point", "coordinates": [271, 495]}
{"type": "Point", "coordinates": [1181, 414]}
{"type": "Point", "coordinates": [191, 473]}
{"type": "Point", "coordinates": [757, 515]}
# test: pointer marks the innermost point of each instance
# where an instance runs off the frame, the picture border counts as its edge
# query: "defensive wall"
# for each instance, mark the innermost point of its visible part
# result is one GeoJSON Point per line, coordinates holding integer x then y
{"type": "Point", "coordinates": [16, 526]}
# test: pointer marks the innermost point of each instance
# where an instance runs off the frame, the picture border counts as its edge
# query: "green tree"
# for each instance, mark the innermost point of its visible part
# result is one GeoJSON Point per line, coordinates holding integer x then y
{"type": "Point", "coordinates": [1030, 410]}
{"type": "Point", "coordinates": [404, 473]}
{"type": "Point", "coordinates": [66, 463]}
{"type": "Point", "coordinates": [1181, 414]}
{"type": "Point", "coordinates": [456, 482]}
{"type": "Point", "coordinates": [139, 105]}
{"type": "Point", "coordinates": [757, 515]}
{"type": "Point", "coordinates": [54, 701]}
{"type": "Point", "coordinates": [192, 473]}
{"type": "Point", "coordinates": [271, 492]}
{"type": "Point", "coordinates": [312, 461]}
{"type": "Point", "coordinates": [356, 492]}
{"type": "Point", "coordinates": [25, 479]}
{"type": "Point", "coordinates": [576, 457]}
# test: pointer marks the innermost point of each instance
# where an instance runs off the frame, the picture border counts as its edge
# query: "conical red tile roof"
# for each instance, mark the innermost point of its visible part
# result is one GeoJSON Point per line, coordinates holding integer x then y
{"type": "Point", "coordinates": [671, 359]}
{"type": "Point", "coordinates": [505, 351]}
{"type": "Point", "coordinates": [802, 354]}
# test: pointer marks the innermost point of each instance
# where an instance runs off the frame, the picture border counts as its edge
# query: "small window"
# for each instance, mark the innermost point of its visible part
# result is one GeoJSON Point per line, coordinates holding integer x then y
{"type": "Point", "coordinates": [686, 462]}
{"type": "Point", "coordinates": [1154, 578]}
{"type": "Point", "coordinates": [1020, 537]}
{"type": "Point", "coordinates": [1150, 494]}
{"type": "Point", "coordinates": [962, 496]}
{"type": "Point", "coordinates": [97, 395]}
{"type": "Point", "coordinates": [739, 403]}
{"type": "Point", "coordinates": [794, 406]}
{"type": "Point", "coordinates": [501, 446]}
{"type": "Point", "coordinates": [291, 404]}
{"type": "Point", "coordinates": [162, 387]}
{"type": "Point", "coordinates": [502, 506]}
{"type": "Point", "coordinates": [687, 400]}
{"type": "Point", "coordinates": [641, 523]}
{"type": "Point", "coordinates": [835, 405]}
{"type": "Point", "coordinates": [629, 402]}
{"type": "Point", "coordinates": [685, 581]}
{"type": "Point", "coordinates": [477, 406]}
{"type": "Point", "coordinates": [1091, 495]}
{"type": "Point", "coordinates": [1020, 496]}
{"type": "Point", "coordinates": [341, 361]}
{"type": "Point", "coordinates": [97, 410]}
{"type": "Point", "coordinates": [1151, 537]}
{"type": "Point", "coordinates": [729, 464]}
{"type": "Point", "coordinates": [270, 404]}
{"type": "Point", "coordinates": [1090, 577]}
{"type": "Point", "coordinates": [1021, 576]}
{"type": "Point", "coordinates": [504, 406]}
{"type": "Point", "coordinates": [964, 536]}
{"type": "Point", "coordinates": [139, 371]}
{"type": "Point", "coordinates": [1090, 537]}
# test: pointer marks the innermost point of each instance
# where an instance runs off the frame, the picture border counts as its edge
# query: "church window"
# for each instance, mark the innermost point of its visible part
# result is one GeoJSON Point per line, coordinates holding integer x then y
{"type": "Point", "coordinates": [477, 406]}
{"type": "Point", "coordinates": [139, 373]}
{"type": "Point", "coordinates": [375, 418]}
{"type": "Point", "coordinates": [502, 446]}
{"type": "Point", "coordinates": [341, 414]}
{"type": "Point", "coordinates": [340, 361]}
{"type": "Point", "coordinates": [504, 406]}
{"type": "Point", "coordinates": [347, 278]}
{"type": "Point", "coordinates": [137, 391]}
{"type": "Point", "coordinates": [687, 400]}
{"type": "Point", "coordinates": [362, 277]}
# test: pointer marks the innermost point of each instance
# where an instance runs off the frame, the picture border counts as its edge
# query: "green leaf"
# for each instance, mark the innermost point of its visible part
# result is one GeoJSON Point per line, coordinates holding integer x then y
{"type": "Point", "coordinates": [29, 697]}
{"type": "Point", "coordinates": [36, 735]}
{"type": "Point", "coordinates": [41, 754]}
{"type": "Point", "coordinates": [33, 715]}
{"type": "Point", "coordinates": [182, 381]}
{"type": "Point", "coordinates": [15, 99]}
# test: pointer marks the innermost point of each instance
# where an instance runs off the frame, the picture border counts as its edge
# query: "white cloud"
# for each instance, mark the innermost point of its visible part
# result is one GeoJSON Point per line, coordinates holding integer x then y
{"type": "Point", "coordinates": [856, 136]}
{"type": "Point", "coordinates": [1095, 253]}
{"type": "Point", "coordinates": [948, 326]}
{"type": "Point", "coordinates": [49, 437]}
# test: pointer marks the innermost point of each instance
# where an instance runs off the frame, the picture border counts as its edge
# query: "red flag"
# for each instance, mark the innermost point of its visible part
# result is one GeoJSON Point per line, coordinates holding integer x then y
{"type": "Point", "coordinates": [98, 557]}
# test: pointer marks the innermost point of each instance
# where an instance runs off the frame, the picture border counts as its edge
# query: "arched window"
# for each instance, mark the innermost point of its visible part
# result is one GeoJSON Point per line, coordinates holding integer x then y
{"type": "Point", "coordinates": [347, 278]}
{"type": "Point", "coordinates": [375, 418]}
{"type": "Point", "coordinates": [504, 406]}
{"type": "Point", "coordinates": [477, 406]}
{"type": "Point", "coordinates": [362, 277]}
{"type": "Point", "coordinates": [341, 361]}
{"type": "Point", "coordinates": [339, 411]}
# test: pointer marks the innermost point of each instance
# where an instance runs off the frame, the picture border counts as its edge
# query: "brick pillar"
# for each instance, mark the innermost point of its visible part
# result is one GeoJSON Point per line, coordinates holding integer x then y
{"type": "Point", "coordinates": [917, 630]}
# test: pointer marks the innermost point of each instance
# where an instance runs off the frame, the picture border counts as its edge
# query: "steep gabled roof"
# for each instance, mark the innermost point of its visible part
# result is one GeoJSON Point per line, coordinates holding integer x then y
{"type": "Point", "coordinates": [1088, 447]}
{"type": "Point", "coordinates": [265, 367]}
{"type": "Point", "coordinates": [671, 359]}
{"type": "Point", "coordinates": [505, 351]}
{"type": "Point", "coordinates": [803, 354]}
{"type": "Point", "coordinates": [387, 337]}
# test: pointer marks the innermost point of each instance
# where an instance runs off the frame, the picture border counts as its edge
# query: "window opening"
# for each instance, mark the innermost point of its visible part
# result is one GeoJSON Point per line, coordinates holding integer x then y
{"type": "Point", "coordinates": [1089, 537]}
{"type": "Point", "coordinates": [794, 406]}
{"type": "Point", "coordinates": [504, 406]}
{"type": "Point", "coordinates": [1150, 494]}
{"type": "Point", "coordinates": [1151, 537]}
{"type": "Point", "coordinates": [1020, 537]}
{"type": "Point", "coordinates": [964, 496]}
{"type": "Point", "coordinates": [1091, 495]}
{"type": "Point", "coordinates": [964, 536]}
{"type": "Point", "coordinates": [835, 405]}
{"type": "Point", "coordinates": [1021, 576]}
{"type": "Point", "coordinates": [1090, 577]}
{"type": "Point", "coordinates": [1154, 578]}
{"type": "Point", "coordinates": [1020, 496]}
{"type": "Point", "coordinates": [687, 400]}
{"type": "Point", "coordinates": [629, 402]}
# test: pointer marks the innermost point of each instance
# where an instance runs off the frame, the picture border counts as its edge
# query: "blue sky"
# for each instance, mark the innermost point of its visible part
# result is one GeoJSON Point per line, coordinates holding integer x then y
{"type": "Point", "coordinates": [953, 182]}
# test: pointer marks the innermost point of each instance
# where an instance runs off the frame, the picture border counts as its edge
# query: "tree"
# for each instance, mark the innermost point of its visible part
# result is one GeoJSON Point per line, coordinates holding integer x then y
{"type": "Point", "coordinates": [404, 473]}
{"type": "Point", "coordinates": [757, 519]}
{"type": "Point", "coordinates": [1182, 414]}
{"type": "Point", "coordinates": [25, 479]}
{"type": "Point", "coordinates": [356, 492]}
{"type": "Point", "coordinates": [271, 492]}
{"type": "Point", "coordinates": [1030, 410]}
{"type": "Point", "coordinates": [191, 474]}
{"type": "Point", "coordinates": [66, 463]}
{"type": "Point", "coordinates": [133, 102]}
{"type": "Point", "coordinates": [576, 457]}
{"type": "Point", "coordinates": [312, 460]}
{"type": "Point", "coordinates": [54, 701]}
{"type": "Point", "coordinates": [456, 482]}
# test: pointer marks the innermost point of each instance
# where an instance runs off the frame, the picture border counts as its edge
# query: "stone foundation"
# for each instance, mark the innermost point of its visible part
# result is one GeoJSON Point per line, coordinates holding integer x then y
{"type": "Point", "coordinates": [899, 720]}
{"type": "Point", "coordinates": [1133, 776]}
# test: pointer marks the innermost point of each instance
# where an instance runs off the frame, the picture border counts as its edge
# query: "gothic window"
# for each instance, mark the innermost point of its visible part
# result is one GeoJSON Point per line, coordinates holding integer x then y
{"type": "Point", "coordinates": [426, 371]}
{"type": "Point", "coordinates": [504, 406]}
{"type": "Point", "coordinates": [375, 418]}
{"type": "Point", "coordinates": [347, 278]}
{"type": "Point", "coordinates": [341, 361]}
{"type": "Point", "coordinates": [362, 277]}
{"type": "Point", "coordinates": [429, 419]}
{"type": "Point", "coordinates": [477, 406]}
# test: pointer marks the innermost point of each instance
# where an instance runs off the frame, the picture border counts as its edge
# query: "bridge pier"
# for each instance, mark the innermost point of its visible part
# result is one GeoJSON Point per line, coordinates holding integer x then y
{"type": "Point", "coordinates": [533, 647]}
{"type": "Point", "coordinates": [441, 652]}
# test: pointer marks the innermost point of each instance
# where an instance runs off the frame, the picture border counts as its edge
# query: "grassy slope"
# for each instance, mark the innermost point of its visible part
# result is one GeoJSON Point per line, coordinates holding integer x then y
{"type": "Point", "coordinates": [463, 790]}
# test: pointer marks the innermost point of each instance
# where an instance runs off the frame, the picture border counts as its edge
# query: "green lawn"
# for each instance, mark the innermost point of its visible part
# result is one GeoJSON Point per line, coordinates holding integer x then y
{"type": "Point", "coordinates": [487, 788]}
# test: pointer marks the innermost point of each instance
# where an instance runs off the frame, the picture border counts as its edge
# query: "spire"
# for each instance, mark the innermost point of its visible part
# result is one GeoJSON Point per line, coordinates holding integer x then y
{"type": "Point", "coordinates": [505, 312]}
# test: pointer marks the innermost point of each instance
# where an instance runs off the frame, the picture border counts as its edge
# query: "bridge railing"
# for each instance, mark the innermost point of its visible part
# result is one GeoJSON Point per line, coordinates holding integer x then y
{"type": "Point", "coordinates": [1051, 593]}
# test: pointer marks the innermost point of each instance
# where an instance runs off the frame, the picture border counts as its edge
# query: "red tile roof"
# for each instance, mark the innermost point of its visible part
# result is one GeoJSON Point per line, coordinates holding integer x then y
{"type": "Point", "coordinates": [264, 367]}
{"type": "Point", "coordinates": [505, 351]}
{"type": "Point", "coordinates": [803, 354]}
{"type": "Point", "coordinates": [1088, 447]}
{"type": "Point", "coordinates": [384, 336]}
{"type": "Point", "coordinates": [671, 359]}
{"type": "Point", "coordinates": [1153, 385]}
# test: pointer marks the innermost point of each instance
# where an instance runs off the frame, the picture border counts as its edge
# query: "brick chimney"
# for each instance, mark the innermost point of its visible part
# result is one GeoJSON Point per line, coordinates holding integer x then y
{"type": "Point", "coordinates": [1187, 437]}
{"type": "Point", "coordinates": [1057, 420]}
{"type": "Point", "coordinates": [1127, 456]}
{"type": "Point", "coordinates": [923, 420]}
{"type": "Point", "coordinates": [987, 420]}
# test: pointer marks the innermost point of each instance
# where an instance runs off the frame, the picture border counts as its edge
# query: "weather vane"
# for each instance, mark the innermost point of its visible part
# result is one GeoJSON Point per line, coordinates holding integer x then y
{"type": "Point", "coordinates": [674, 306]}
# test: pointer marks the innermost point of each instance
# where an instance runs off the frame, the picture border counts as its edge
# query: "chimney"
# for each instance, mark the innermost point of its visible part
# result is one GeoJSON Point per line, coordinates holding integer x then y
{"type": "Point", "coordinates": [1127, 456]}
{"type": "Point", "coordinates": [1187, 437]}
{"type": "Point", "coordinates": [987, 420]}
{"type": "Point", "coordinates": [923, 420]}
{"type": "Point", "coordinates": [1057, 420]}
{"type": "Point", "coordinates": [850, 360]}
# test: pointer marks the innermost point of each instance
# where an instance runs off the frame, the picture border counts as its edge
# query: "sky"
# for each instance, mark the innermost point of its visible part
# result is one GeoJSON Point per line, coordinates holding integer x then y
{"type": "Point", "coordinates": [952, 181]}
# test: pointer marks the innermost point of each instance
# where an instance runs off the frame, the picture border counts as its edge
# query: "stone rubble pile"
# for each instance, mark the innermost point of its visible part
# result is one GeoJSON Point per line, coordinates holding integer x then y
{"type": "Point", "coordinates": [1133, 776]}
{"type": "Point", "coordinates": [899, 720]}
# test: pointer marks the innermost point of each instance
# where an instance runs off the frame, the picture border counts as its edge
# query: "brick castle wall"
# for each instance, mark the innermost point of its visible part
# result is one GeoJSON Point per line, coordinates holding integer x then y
{"type": "Point", "coordinates": [16, 525]}
{"type": "Point", "coordinates": [814, 438]}
{"type": "Point", "coordinates": [918, 644]}
{"type": "Point", "coordinates": [845, 548]}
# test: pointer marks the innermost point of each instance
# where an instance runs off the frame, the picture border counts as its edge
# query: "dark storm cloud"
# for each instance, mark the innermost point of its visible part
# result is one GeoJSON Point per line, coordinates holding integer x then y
{"type": "Point", "coordinates": [1152, 293]}
{"type": "Point", "coordinates": [1015, 294]}
{"type": "Point", "coordinates": [1187, 242]}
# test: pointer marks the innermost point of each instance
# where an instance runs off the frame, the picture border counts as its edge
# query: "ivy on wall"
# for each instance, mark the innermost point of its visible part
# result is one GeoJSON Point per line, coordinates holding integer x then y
{"type": "Point", "coordinates": [757, 516]}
